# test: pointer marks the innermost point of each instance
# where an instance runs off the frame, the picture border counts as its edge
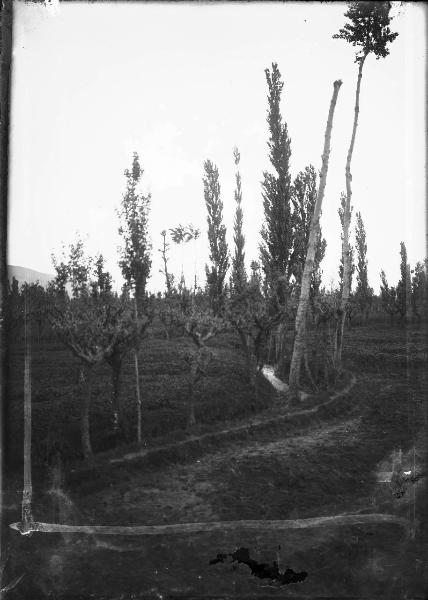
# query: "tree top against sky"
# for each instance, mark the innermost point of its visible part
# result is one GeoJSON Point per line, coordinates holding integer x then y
{"type": "Point", "coordinates": [368, 28]}
{"type": "Point", "coordinates": [66, 71]}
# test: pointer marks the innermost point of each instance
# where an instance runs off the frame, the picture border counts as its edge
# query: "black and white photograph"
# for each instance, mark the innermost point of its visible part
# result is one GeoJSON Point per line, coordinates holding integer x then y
{"type": "Point", "coordinates": [214, 320]}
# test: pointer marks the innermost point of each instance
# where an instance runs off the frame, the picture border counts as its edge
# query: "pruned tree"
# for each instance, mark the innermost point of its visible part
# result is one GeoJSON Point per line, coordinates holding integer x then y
{"type": "Point", "coordinates": [201, 326]}
{"type": "Point", "coordinates": [239, 275]}
{"type": "Point", "coordinates": [300, 323]}
{"type": "Point", "coordinates": [169, 277]}
{"type": "Point", "coordinates": [95, 324]}
{"type": "Point", "coordinates": [367, 30]}
{"type": "Point", "coordinates": [122, 332]}
{"type": "Point", "coordinates": [363, 292]}
{"type": "Point", "coordinates": [249, 314]}
{"type": "Point", "coordinates": [219, 255]}
{"type": "Point", "coordinates": [76, 324]}
{"type": "Point", "coordinates": [135, 261]}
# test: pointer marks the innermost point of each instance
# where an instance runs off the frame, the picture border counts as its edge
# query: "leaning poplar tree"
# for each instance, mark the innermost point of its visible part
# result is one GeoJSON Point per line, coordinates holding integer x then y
{"type": "Point", "coordinates": [239, 275]}
{"type": "Point", "coordinates": [135, 261]}
{"type": "Point", "coordinates": [219, 255]}
{"type": "Point", "coordinates": [302, 309]}
{"type": "Point", "coordinates": [368, 30]}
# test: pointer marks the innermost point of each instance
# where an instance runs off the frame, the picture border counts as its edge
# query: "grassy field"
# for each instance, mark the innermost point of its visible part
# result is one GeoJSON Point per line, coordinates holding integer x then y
{"type": "Point", "coordinates": [319, 465]}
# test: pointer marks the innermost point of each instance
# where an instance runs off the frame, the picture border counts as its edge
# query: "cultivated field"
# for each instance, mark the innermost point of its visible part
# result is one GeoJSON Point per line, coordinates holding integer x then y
{"type": "Point", "coordinates": [251, 457]}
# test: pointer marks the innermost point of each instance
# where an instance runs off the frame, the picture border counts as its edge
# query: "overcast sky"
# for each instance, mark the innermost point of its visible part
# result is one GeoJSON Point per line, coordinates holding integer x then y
{"type": "Point", "coordinates": [179, 83]}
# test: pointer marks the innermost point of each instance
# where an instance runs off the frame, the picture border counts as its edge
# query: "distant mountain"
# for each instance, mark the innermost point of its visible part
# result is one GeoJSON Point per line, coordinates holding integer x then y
{"type": "Point", "coordinates": [22, 275]}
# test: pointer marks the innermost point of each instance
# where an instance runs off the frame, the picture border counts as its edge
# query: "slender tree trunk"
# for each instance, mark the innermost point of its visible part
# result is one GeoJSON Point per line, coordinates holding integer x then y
{"type": "Point", "coordinates": [85, 424]}
{"type": "Point", "coordinates": [137, 378]}
{"type": "Point", "coordinates": [116, 367]}
{"type": "Point", "coordinates": [250, 361]}
{"type": "Point", "coordinates": [27, 493]}
{"type": "Point", "coordinates": [280, 335]}
{"type": "Point", "coordinates": [346, 287]}
{"type": "Point", "coordinates": [299, 338]}
{"type": "Point", "coordinates": [191, 419]}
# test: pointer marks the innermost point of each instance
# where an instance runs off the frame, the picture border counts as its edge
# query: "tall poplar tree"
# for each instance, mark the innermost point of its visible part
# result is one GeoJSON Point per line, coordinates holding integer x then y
{"type": "Point", "coordinates": [404, 289]}
{"type": "Point", "coordinates": [136, 251]}
{"type": "Point", "coordinates": [239, 275]}
{"type": "Point", "coordinates": [219, 254]}
{"type": "Point", "coordinates": [277, 230]}
{"type": "Point", "coordinates": [367, 30]}
{"type": "Point", "coordinates": [135, 261]}
{"type": "Point", "coordinates": [363, 293]}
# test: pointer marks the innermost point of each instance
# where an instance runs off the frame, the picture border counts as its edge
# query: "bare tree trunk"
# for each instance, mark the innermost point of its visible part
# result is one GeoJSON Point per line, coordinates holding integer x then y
{"type": "Point", "coordinates": [115, 375]}
{"type": "Point", "coordinates": [137, 380]}
{"type": "Point", "coordinates": [346, 287]}
{"type": "Point", "coordinates": [85, 424]}
{"type": "Point", "coordinates": [250, 360]}
{"type": "Point", "coordinates": [299, 338]}
{"type": "Point", "coordinates": [115, 363]}
{"type": "Point", "coordinates": [191, 419]}
{"type": "Point", "coordinates": [280, 334]}
{"type": "Point", "coordinates": [27, 493]}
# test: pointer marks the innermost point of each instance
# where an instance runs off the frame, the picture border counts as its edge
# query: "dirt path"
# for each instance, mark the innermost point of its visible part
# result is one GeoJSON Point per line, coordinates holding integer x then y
{"type": "Point", "coordinates": [251, 424]}
{"type": "Point", "coordinates": [309, 489]}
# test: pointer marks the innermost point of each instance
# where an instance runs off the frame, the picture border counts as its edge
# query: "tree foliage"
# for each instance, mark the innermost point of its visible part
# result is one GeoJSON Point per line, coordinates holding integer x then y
{"type": "Point", "coordinates": [219, 255]}
{"type": "Point", "coordinates": [135, 261]}
{"type": "Point", "coordinates": [363, 292]}
{"type": "Point", "coordinates": [304, 195]}
{"type": "Point", "coordinates": [403, 295]}
{"type": "Point", "coordinates": [419, 289]}
{"type": "Point", "coordinates": [349, 249]}
{"type": "Point", "coordinates": [277, 230]}
{"type": "Point", "coordinates": [368, 28]}
{"type": "Point", "coordinates": [239, 275]}
{"type": "Point", "coordinates": [388, 296]}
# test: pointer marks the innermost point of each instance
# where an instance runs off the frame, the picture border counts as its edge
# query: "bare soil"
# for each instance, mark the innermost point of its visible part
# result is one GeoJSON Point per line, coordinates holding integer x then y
{"type": "Point", "coordinates": [325, 464]}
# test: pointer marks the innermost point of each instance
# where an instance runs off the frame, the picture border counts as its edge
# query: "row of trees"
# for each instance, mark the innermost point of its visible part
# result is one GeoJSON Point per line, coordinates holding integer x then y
{"type": "Point", "coordinates": [408, 298]}
{"type": "Point", "coordinates": [283, 291]}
